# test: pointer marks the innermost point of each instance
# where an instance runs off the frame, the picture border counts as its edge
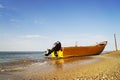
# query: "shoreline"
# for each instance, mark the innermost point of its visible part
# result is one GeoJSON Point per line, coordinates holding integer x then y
{"type": "Point", "coordinates": [104, 66]}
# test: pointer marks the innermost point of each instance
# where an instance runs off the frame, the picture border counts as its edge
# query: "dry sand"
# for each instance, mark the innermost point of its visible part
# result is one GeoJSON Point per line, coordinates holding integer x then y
{"type": "Point", "coordinates": [99, 67]}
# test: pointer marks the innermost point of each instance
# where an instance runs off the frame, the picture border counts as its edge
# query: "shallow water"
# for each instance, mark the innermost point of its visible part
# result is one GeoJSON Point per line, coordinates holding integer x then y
{"type": "Point", "coordinates": [20, 66]}
{"type": "Point", "coordinates": [16, 61]}
{"type": "Point", "coordinates": [12, 56]}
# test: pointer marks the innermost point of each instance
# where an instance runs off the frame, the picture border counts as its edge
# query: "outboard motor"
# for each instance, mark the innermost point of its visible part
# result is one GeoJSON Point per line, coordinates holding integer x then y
{"type": "Point", "coordinates": [48, 52]}
{"type": "Point", "coordinates": [56, 47]}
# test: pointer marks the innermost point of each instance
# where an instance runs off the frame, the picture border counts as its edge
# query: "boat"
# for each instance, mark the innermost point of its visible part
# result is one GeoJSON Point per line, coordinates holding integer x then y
{"type": "Point", "coordinates": [84, 50]}
{"type": "Point", "coordinates": [74, 51]}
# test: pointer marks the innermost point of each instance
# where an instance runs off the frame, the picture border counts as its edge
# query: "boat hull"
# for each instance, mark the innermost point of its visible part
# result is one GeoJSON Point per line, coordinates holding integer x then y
{"type": "Point", "coordinates": [84, 50]}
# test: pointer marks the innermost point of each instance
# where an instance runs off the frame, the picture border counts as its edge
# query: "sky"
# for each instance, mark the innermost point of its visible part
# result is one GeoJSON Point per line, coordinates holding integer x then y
{"type": "Point", "coordinates": [34, 25]}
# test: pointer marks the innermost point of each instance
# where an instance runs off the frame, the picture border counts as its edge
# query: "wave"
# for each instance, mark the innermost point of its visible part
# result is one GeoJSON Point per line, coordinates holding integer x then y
{"type": "Point", "coordinates": [19, 64]}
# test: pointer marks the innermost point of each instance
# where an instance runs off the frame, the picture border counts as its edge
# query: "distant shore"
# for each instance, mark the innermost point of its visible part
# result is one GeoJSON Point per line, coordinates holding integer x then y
{"type": "Point", "coordinates": [105, 67]}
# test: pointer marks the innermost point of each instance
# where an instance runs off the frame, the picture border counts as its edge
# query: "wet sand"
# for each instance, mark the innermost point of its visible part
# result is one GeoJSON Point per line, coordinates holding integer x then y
{"type": "Point", "coordinates": [97, 67]}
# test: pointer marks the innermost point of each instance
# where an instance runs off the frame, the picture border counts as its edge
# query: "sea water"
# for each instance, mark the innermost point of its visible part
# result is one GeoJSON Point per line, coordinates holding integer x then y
{"type": "Point", "coordinates": [20, 55]}
{"type": "Point", "coordinates": [18, 60]}
{"type": "Point", "coordinates": [12, 61]}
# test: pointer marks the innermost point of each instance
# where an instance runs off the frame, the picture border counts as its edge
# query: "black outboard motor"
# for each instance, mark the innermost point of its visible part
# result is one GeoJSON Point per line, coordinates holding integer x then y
{"type": "Point", "coordinates": [56, 47]}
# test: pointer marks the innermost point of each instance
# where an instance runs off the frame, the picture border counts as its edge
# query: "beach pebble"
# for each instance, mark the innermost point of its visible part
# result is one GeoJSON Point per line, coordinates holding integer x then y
{"type": "Point", "coordinates": [2, 70]}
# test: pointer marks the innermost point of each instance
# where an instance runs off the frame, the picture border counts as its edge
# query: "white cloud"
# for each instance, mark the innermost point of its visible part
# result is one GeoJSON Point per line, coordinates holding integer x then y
{"type": "Point", "coordinates": [37, 22]}
{"type": "Point", "coordinates": [40, 42]}
{"type": "Point", "coordinates": [14, 20]}
{"type": "Point", "coordinates": [34, 36]}
{"type": "Point", "coordinates": [1, 6]}
{"type": "Point", "coordinates": [83, 39]}
{"type": "Point", "coordinates": [22, 45]}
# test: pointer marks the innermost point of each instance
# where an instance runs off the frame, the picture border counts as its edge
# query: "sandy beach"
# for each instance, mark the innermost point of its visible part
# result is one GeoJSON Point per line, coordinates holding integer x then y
{"type": "Point", "coordinates": [98, 67]}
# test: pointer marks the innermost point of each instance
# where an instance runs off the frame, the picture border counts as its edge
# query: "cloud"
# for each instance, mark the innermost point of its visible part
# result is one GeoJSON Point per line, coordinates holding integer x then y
{"type": "Point", "coordinates": [34, 36]}
{"type": "Point", "coordinates": [82, 39]}
{"type": "Point", "coordinates": [1, 6]}
{"type": "Point", "coordinates": [14, 20]}
{"type": "Point", "coordinates": [37, 22]}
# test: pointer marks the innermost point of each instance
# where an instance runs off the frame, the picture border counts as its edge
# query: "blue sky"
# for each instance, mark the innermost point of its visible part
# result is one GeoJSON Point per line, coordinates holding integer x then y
{"type": "Point", "coordinates": [30, 25]}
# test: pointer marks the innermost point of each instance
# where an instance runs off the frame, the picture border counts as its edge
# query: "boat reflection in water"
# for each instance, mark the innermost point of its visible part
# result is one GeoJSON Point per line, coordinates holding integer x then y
{"type": "Point", "coordinates": [67, 63]}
